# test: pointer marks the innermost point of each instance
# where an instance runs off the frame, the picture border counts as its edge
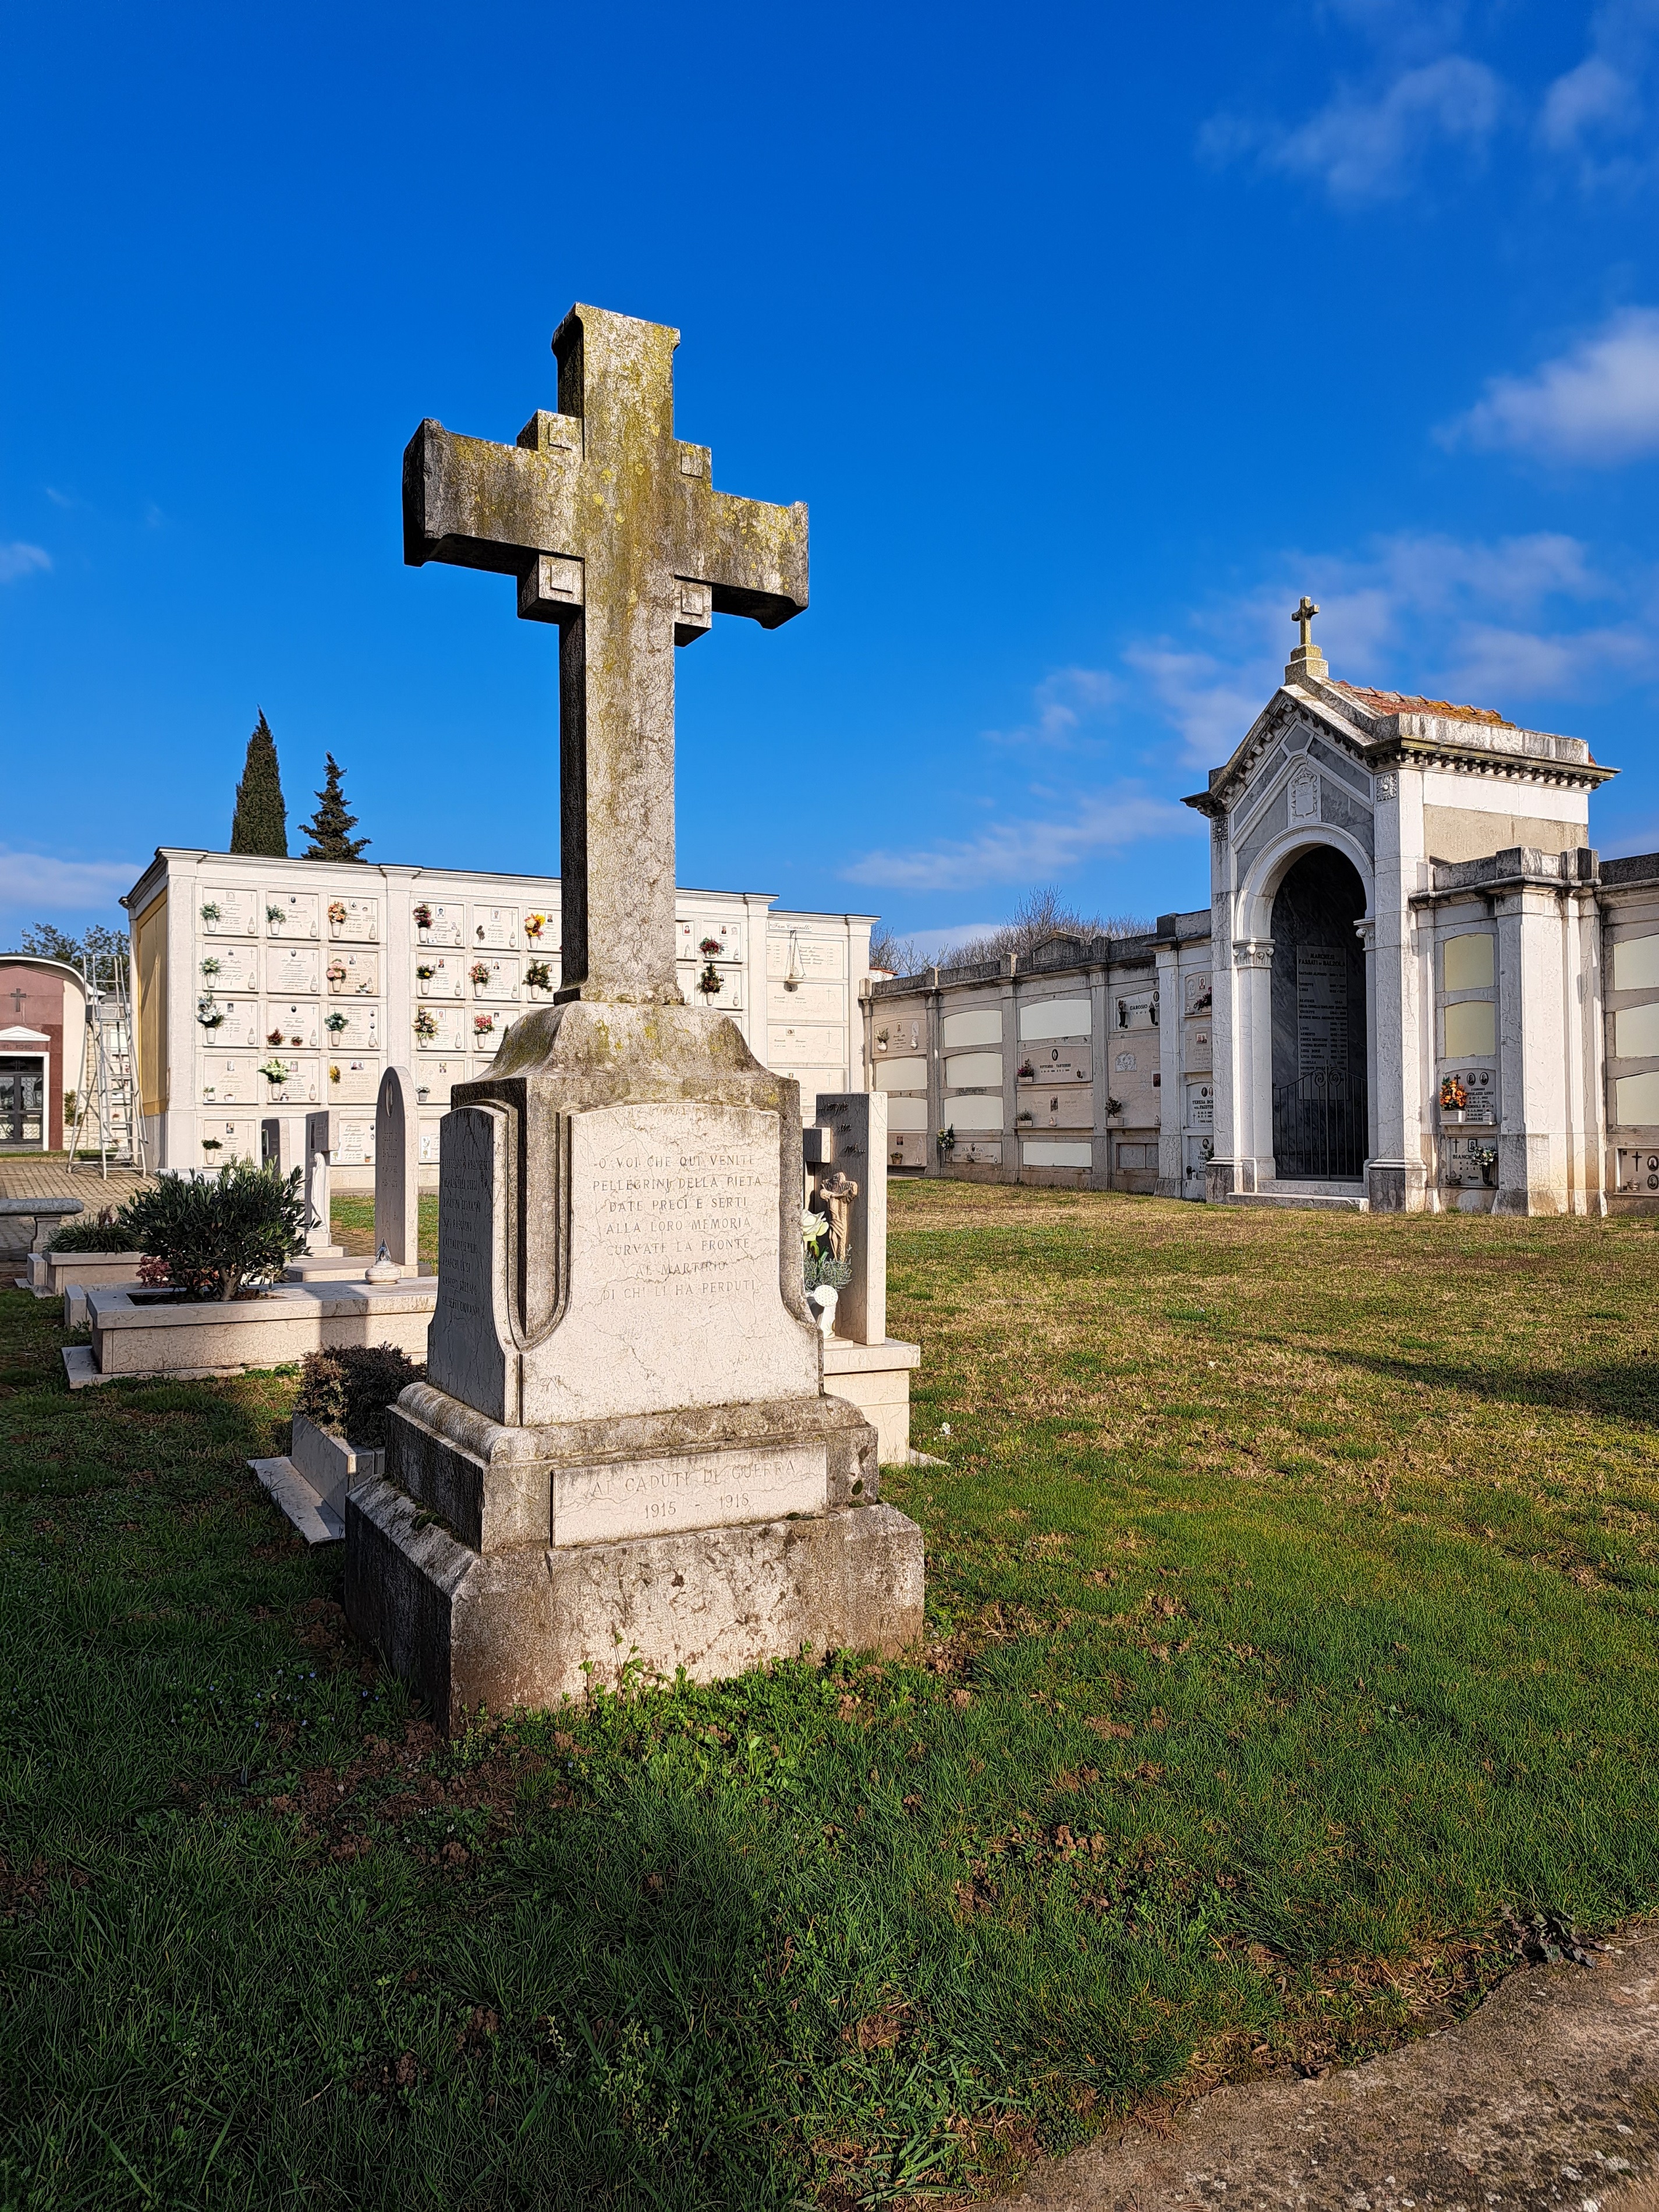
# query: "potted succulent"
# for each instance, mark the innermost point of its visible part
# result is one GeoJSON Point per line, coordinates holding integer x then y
{"type": "Point", "coordinates": [425, 1022]}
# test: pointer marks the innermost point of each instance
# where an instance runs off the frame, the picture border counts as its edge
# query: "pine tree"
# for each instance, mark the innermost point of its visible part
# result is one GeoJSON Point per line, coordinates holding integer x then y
{"type": "Point", "coordinates": [330, 827]}
{"type": "Point", "coordinates": [260, 822]}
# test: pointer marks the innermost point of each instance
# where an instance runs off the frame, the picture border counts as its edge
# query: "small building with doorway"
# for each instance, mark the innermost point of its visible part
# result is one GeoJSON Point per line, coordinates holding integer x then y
{"type": "Point", "coordinates": [1406, 956]}
{"type": "Point", "coordinates": [43, 1028]}
{"type": "Point", "coordinates": [1416, 986]}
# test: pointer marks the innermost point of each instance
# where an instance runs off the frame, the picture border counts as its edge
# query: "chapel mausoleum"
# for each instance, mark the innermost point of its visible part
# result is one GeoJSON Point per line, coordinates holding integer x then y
{"type": "Point", "coordinates": [1417, 988]}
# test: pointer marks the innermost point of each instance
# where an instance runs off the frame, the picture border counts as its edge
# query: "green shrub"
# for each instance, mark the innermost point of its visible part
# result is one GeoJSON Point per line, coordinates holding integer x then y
{"type": "Point", "coordinates": [85, 1233]}
{"type": "Point", "coordinates": [348, 1390]}
{"type": "Point", "coordinates": [215, 1235]}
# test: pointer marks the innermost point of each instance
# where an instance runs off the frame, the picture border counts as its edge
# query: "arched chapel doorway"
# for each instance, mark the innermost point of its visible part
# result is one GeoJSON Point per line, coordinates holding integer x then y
{"type": "Point", "coordinates": [1320, 1089]}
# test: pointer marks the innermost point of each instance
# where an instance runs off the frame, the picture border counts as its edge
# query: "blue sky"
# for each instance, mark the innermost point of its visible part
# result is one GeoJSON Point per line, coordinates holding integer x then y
{"type": "Point", "coordinates": [1092, 337]}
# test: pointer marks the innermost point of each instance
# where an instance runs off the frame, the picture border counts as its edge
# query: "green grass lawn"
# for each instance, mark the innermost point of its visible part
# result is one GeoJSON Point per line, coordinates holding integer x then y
{"type": "Point", "coordinates": [1294, 1619]}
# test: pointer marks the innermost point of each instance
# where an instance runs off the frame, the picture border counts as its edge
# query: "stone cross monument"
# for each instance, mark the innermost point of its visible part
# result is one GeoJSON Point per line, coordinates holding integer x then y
{"type": "Point", "coordinates": [623, 1451]}
{"type": "Point", "coordinates": [615, 532]}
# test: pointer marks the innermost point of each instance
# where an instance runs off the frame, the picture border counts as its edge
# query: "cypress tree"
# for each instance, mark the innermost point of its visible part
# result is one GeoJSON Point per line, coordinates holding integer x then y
{"type": "Point", "coordinates": [260, 822]}
{"type": "Point", "coordinates": [330, 829]}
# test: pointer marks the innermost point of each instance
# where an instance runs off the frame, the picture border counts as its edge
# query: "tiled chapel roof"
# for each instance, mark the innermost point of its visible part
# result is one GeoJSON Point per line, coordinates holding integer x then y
{"type": "Point", "coordinates": [1401, 702]}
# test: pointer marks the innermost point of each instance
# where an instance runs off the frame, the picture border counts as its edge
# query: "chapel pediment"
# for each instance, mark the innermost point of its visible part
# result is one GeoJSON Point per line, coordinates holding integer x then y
{"type": "Point", "coordinates": [1369, 729]}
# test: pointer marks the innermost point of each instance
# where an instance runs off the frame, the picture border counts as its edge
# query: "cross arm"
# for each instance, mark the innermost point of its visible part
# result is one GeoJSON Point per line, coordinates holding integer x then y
{"type": "Point", "coordinates": [751, 553]}
{"type": "Point", "coordinates": [479, 505]}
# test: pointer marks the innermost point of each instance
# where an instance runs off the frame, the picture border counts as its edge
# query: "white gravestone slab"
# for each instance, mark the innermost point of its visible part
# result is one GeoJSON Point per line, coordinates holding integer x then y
{"type": "Point", "coordinates": [495, 927]}
{"type": "Point", "coordinates": [228, 1021]}
{"type": "Point", "coordinates": [791, 956]}
{"type": "Point", "coordinates": [228, 910]}
{"type": "Point", "coordinates": [495, 979]}
{"type": "Point", "coordinates": [354, 920]}
{"type": "Point", "coordinates": [353, 975]}
{"type": "Point", "coordinates": [290, 969]}
{"type": "Point", "coordinates": [441, 975]}
{"type": "Point", "coordinates": [236, 1139]}
{"type": "Point", "coordinates": [709, 940]}
{"type": "Point", "coordinates": [808, 1002]}
{"type": "Point", "coordinates": [354, 1082]}
{"type": "Point", "coordinates": [674, 1297]}
{"type": "Point", "coordinates": [701, 1490]}
{"type": "Point", "coordinates": [397, 1213]}
{"type": "Point", "coordinates": [291, 913]}
{"type": "Point", "coordinates": [439, 924]}
{"type": "Point", "coordinates": [352, 1029]}
{"type": "Point", "coordinates": [297, 1086]}
{"type": "Point", "coordinates": [293, 1026]}
{"type": "Point", "coordinates": [442, 1032]}
{"type": "Point", "coordinates": [230, 968]}
{"type": "Point", "coordinates": [354, 1142]}
{"type": "Point", "coordinates": [226, 1082]}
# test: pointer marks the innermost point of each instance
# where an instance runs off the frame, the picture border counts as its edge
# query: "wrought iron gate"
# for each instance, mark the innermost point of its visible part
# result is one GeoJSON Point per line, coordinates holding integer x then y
{"type": "Point", "coordinates": [1321, 1129]}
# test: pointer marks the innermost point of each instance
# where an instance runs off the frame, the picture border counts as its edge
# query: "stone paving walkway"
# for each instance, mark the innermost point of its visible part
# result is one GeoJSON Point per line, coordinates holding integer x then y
{"type": "Point", "coordinates": [1547, 2097]}
{"type": "Point", "coordinates": [30, 1175]}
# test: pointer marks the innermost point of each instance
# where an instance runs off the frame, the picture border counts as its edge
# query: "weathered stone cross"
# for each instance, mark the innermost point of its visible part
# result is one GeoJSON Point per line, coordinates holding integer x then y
{"type": "Point", "coordinates": [1304, 615]}
{"type": "Point", "coordinates": [615, 532]}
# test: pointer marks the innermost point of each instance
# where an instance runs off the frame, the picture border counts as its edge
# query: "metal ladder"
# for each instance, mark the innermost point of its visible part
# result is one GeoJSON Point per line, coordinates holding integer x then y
{"type": "Point", "coordinates": [108, 1093]}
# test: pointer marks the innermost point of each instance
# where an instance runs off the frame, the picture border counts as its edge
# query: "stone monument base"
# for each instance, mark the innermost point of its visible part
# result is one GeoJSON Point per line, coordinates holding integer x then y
{"type": "Point", "coordinates": [500, 1566]}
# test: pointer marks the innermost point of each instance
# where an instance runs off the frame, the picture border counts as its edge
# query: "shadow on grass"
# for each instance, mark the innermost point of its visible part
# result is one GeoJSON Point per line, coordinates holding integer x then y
{"type": "Point", "coordinates": [1620, 1390]}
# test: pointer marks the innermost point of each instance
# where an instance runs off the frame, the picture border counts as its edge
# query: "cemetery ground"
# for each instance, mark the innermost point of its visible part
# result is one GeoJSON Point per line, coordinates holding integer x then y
{"type": "Point", "coordinates": [1292, 1670]}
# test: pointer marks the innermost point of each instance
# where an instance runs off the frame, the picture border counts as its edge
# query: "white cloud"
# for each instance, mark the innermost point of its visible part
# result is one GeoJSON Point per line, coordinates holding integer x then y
{"type": "Point", "coordinates": [1595, 96]}
{"type": "Point", "coordinates": [19, 559]}
{"type": "Point", "coordinates": [1603, 97]}
{"type": "Point", "coordinates": [1031, 850]}
{"type": "Point", "coordinates": [1370, 147]}
{"type": "Point", "coordinates": [1210, 704]}
{"type": "Point", "coordinates": [1597, 404]}
{"type": "Point", "coordinates": [1064, 702]}
{"type": "Point", "coordinates": [39, 883]}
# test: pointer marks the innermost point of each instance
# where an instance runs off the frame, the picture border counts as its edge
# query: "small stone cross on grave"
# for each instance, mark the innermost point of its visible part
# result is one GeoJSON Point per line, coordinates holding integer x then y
{"type": "Point", "coordinates": [615, 532]}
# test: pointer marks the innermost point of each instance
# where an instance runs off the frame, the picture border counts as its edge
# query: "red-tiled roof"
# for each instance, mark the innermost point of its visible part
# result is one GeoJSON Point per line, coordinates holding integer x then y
{"type": "Point", "coordinates": [1401, 702]}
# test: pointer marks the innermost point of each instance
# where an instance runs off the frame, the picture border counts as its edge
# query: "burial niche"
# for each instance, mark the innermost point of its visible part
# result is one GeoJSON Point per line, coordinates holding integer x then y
{"type": "Point", "coordinates": [1319, 1020]}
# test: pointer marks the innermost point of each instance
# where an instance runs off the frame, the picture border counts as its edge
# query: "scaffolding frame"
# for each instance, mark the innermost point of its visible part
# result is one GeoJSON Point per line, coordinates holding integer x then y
{"type": "Point", "coordinates": [108, 1093]}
